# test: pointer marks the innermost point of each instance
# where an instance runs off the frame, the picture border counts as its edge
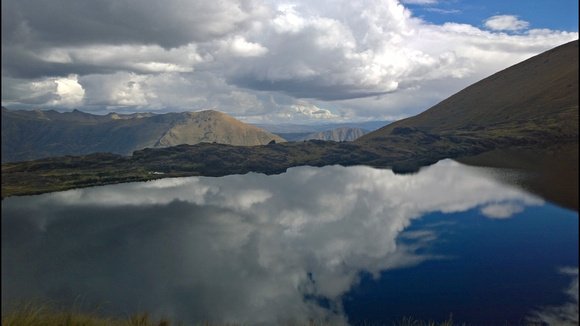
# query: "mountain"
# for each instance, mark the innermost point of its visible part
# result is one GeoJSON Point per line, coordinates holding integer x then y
{"type": "Point", "coordinates": [530, 101]}
{"type": "Point", "coordinates": [37, 134]}
{"type": "Point", "coordinates": [337, 134]}
{"type": "Point", "coordinates": [213, 127]}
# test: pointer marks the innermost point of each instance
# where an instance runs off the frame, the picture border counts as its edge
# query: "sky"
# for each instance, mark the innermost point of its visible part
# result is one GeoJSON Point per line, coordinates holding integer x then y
{"type": "Point", "coordinates": [267, 61]}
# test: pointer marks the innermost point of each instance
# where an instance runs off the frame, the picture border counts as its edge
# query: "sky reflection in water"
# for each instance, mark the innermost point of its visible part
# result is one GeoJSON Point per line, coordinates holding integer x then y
{"type": "Point", "coordinates": [250, 248]}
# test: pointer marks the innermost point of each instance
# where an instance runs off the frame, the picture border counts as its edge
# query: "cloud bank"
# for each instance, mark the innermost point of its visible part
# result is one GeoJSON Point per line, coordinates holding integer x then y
{"type": "Point", "coordinates": [254, 59]}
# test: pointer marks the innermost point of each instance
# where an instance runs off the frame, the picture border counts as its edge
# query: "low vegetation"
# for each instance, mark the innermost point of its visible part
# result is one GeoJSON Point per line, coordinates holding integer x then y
{"type": "Point", "coordinates": [32, 314]}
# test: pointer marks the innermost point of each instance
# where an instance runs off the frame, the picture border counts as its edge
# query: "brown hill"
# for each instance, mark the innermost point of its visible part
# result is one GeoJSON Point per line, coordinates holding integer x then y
{"type": "Point", "coordinates": [214, 127]}
{"type": "Point", "coordinates": [37, 134]}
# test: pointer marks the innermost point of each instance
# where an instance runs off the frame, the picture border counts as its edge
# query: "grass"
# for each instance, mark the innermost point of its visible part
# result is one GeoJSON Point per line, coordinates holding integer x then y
{"type": "Point", "coordinates": [410, 321]}
{"type": "Point", "coordinates": [33, 314]}
{"type": "Point", "coordinates": [45, 314]}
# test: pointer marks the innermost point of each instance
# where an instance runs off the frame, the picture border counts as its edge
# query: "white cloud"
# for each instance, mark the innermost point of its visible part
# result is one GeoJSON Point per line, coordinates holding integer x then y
{"type": "Point", "coordinates": [506, 23]}
{"type": "Point", "coordinates": [238, 46]}
{"type": "Point", "coordinates": [243, 48]}
{"type": "Point", "coordinates": [33, 92]}
{"type": "Point", "coordinates": [300, 111]}
{"type": "Point", "coordinates": [443, 11]}
{"type": "Point", "coordinates": [501, 210]}
{"type": "Point", "coordinates": [69, 91]}
{"type": "Point", "coordinates": [120, 89]}
{"type": "Point", "coordinates": [310, 110]}
{"type": "Point", "coordinates": [382, 52]}
{"type": "Point", "coordinates": [56, 55]}
{"type": "Point", "coordinates": [288, 20]}
{"type": "Point", "coordinates": [60, 92]}
{"type": "Point", "coordinates": [137, 58]}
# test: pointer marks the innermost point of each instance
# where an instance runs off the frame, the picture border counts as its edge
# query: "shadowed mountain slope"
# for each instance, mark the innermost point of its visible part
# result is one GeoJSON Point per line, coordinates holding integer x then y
{"type": "Point", "coordinates": [36, 134]}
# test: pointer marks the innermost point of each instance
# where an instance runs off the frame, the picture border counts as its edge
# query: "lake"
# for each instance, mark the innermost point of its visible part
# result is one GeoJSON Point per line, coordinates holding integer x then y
{"type": "Point", "coordinates": [342, 245]}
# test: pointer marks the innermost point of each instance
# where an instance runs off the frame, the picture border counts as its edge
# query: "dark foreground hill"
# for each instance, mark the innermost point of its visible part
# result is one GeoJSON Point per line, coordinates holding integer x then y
{"type": "Point", "coordinates": [37, 134]}
{"type": "Point", "coordinates": [524, 117]}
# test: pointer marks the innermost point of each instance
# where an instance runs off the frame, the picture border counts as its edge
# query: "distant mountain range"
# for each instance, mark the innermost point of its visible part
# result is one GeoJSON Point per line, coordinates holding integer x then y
{"type": "Point", "coordinates": [284, 128]}
{"type": "Point", "coordinates": [337, 134]}
{"type": "Point", "coordinates": [342, 131]}
{"type": "Point", "coordinates": [524, 117]}
{"type": "Point", "coordinates": [37, 134]}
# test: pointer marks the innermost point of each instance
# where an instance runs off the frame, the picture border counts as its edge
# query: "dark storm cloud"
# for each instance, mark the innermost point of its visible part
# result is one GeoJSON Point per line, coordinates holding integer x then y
{"type": "Point", "coordinates": [32, 28]}
{"type": "Point", "coordinates": [80, 22]}
{"type": "Point", "coordinates": [22, 63]}
{"type": "Point", "coordinates": [314, 88]}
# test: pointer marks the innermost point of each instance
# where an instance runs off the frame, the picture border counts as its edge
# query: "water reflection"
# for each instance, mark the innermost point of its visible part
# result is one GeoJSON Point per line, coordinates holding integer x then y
{"type": "Point", "coordinates": [244, 248]}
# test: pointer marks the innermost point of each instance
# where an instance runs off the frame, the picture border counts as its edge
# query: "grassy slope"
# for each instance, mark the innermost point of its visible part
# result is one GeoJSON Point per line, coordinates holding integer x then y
{"type": "Point", "coordinates": [35, 314]}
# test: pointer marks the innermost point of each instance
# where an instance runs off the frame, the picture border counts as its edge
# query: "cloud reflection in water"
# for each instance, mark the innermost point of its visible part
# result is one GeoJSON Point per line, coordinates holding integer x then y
{"type": "Point", "coordinates": [242, 248]}
{"type": "Point", "coordinates": [566, 314]}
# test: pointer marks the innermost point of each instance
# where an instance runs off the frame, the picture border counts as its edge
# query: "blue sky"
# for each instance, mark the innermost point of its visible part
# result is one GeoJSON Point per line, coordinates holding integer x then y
{"type": "Point", "coordinates": [288, 61]}
{"type": "Point", "coordinates": [551, 14]}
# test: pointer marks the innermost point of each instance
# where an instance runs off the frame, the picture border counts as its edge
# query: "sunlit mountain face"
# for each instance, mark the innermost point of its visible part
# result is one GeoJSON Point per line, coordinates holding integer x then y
{"type": "Point", "coordinates": [332, 244]}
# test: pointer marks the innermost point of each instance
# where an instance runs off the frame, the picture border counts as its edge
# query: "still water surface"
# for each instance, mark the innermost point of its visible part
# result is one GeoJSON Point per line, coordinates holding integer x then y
{"type": "Point", "coordinates": [346, 245]}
